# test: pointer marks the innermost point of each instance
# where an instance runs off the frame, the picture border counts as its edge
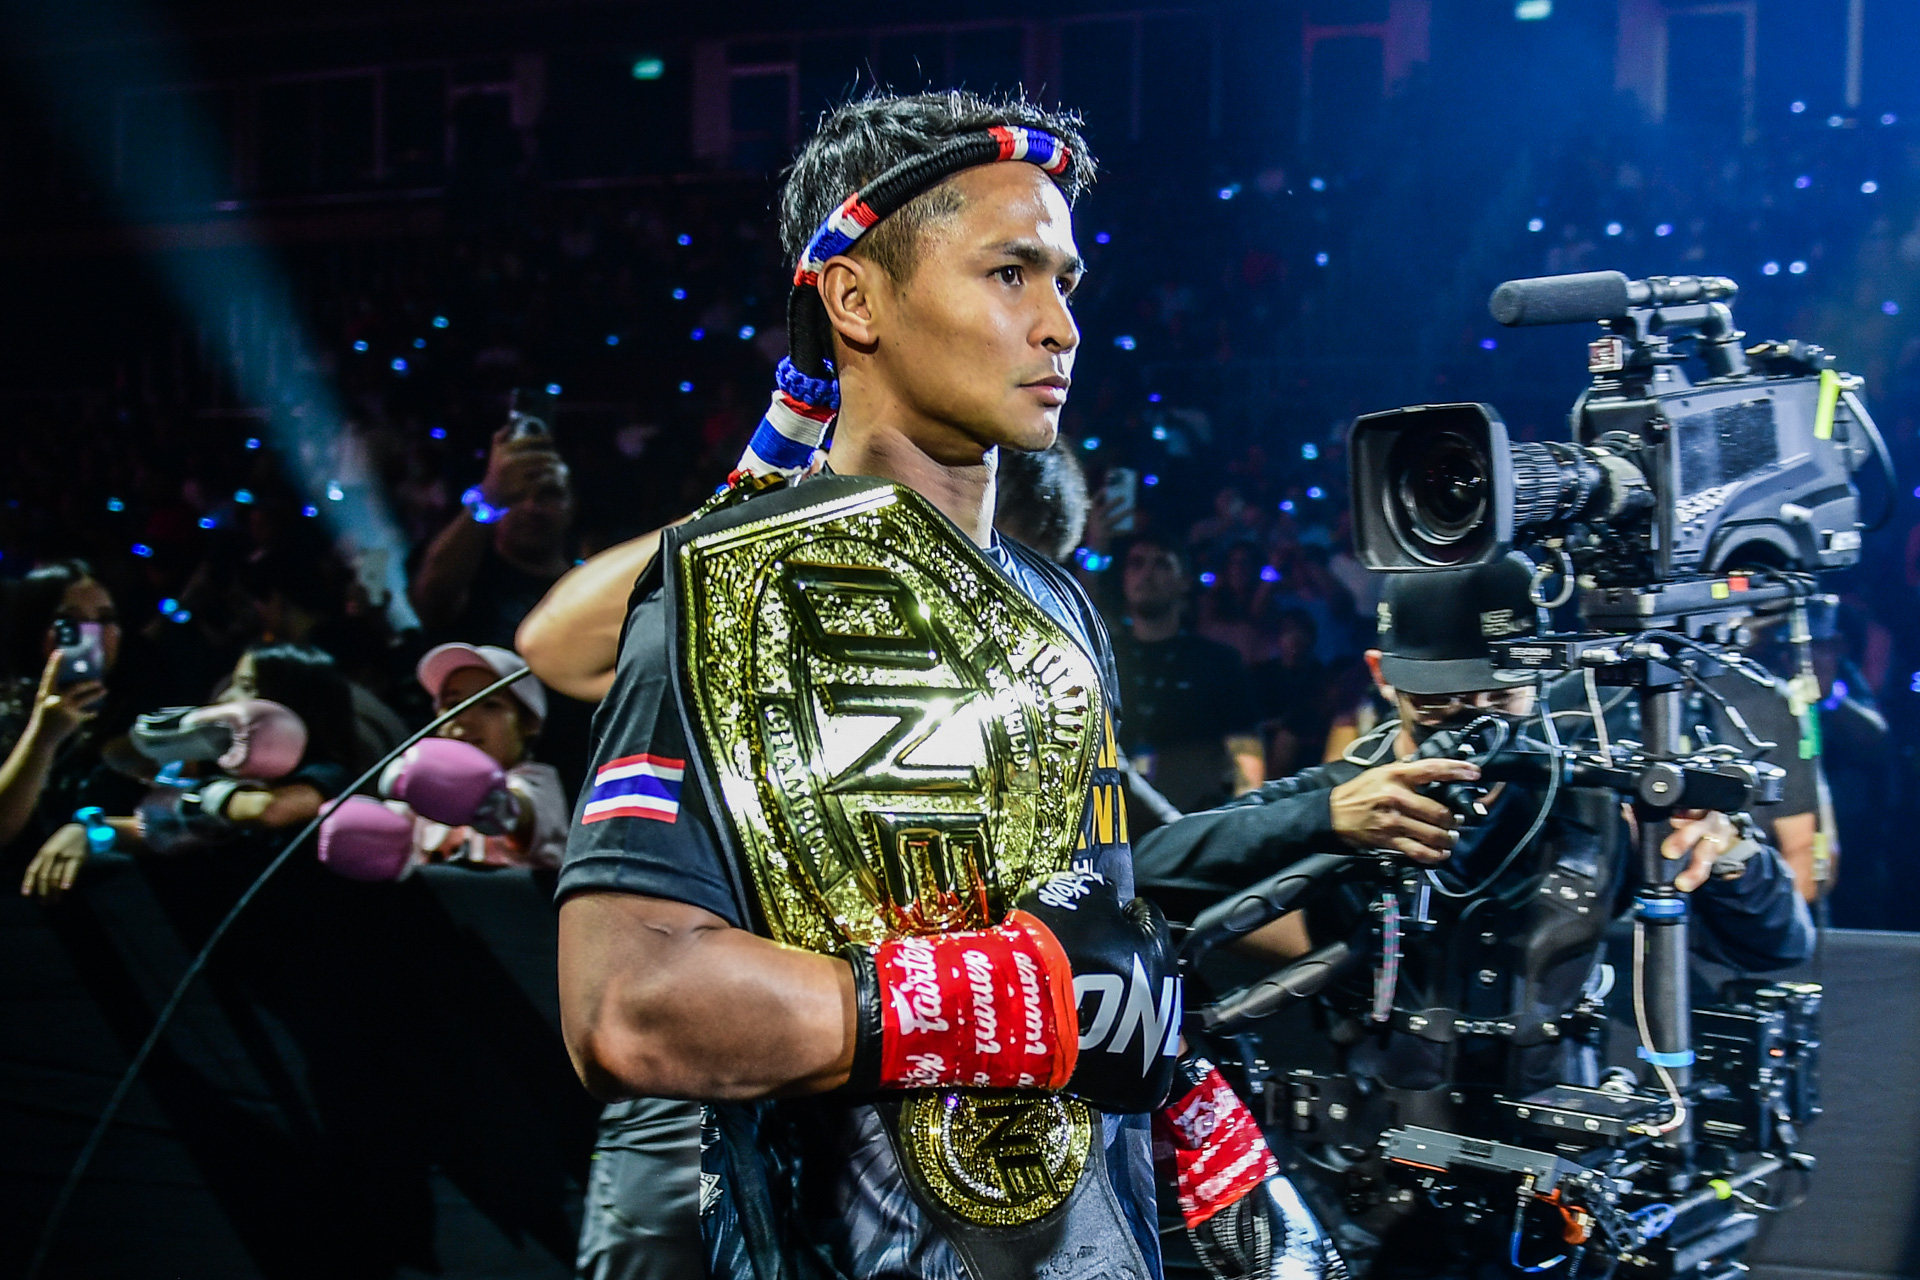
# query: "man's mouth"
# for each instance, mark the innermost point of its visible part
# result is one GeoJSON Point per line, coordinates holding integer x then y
{"type": "Point", "coordinates": [1051, 389]}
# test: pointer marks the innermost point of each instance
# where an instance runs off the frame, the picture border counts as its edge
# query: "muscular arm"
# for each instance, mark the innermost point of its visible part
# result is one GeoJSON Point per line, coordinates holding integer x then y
{"type": "Point", "coordinates": [1794, 835]}
{"type": "Point", "coordinates": [572, 637]}
{"type": "Point", "coordinates": [662, 999]}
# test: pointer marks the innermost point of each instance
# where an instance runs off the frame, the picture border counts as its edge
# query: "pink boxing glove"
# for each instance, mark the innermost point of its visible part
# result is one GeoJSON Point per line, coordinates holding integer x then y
{"type": "Point", "coordinates": [252, 738]}
{"type": "Point", "coordinates": [455, 783]}
{"type": "Point", "coordinates": [365, 839]}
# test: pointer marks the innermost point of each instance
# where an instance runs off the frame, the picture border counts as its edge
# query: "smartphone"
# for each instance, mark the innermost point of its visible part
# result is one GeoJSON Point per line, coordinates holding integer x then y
{"type": "Point", "coordinates": [83, 654]}
{"type": "Point", "coordinates": [530, 412]}
{"type": "Point", "coordinates": [1120, 494]}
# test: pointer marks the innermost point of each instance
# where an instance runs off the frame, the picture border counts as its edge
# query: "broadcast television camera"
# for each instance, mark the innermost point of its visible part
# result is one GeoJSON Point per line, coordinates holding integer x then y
{"type": "Point", "coordinates": [1664, 477]}
{"type": "Point", "coordinates": [1680, 508]}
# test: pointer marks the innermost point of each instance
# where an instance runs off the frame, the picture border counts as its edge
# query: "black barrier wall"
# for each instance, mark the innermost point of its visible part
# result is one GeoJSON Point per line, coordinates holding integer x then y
{"type": "Point", "coordinates": [370, 1083]}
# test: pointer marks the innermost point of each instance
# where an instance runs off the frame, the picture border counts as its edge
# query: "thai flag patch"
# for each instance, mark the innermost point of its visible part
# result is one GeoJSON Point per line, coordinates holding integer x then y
{"type": "Point", "coordinates": [636, 787]}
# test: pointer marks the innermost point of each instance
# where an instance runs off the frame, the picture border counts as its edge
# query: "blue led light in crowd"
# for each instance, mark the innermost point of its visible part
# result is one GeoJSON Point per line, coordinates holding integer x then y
{"type": "Point", "coordinates": [684, 240]}
{"type": "Point", "coordinates": [746, 333]}
{"type": "Point", "coordinates": [1797, 267]}
{"type": "Point", "coordinates": [1269, 574]}
{"type": "Point", "coordinates": [1101, 237]}
{"type": "Point", "coordinates": [439, 322]}
{"type": "Point", "coordinates": [309, 511]}
{"type": "Point", "coordinates": [142, 550]}
{"type": "Point", "coordinates": [553, 388]}
{"type": "Point", "coordinates": [361, 345]}
{"type": "Point", "coordinates": [1834, 122]}
{"type": "Point", "coordinates": [1913, 685]}
{"type": "Point", "coordinates": [698, 334]}
{"type": "Point", "coordinates": [437, 433]}
{"type": "Point", "coordinates": [1890, 307]}
{"type": "Point", "coordinates": [1797, 107]}
{"type": "Point", "coordinates": [613, 339]}
{"type": "Point", "coordinates": [1207, 579]}
{"type": "Point", "coordinates": [115, 505]}
{"type": "Point", "coordinates": [1149, 479]}
{"type": "Point", "coordinates": [1319, 259]}
{"type": "Point", "coordinates": [334, 492]}
{"type": "Point", "coordinates": [169, 606]}
{"type": "Point", "coordinates": [679, 295]}
{"type": "Point", "coordinates": [207, 522]}
{"type": "Point", "coordinates": [1664, 230]}
{"type": "Point", "coordinates": [1318, 184]}
{"type": "Point", "coordinates": [1090, 443]}
{"type": "Point", "coordinates": [1869, 187]}
{"type": "Point", "coordinates": [1489, 344]}
{"type": "Point", "coordinates": [1124, 341]}
{"type": "Point", "coordinates": [1286, 505]}
{"type": "Point", "coordinates": [399, 364]}
{"type": "Point", "coordinates": [182, 615]}
{"type": "Point", "coordinates": [1889, 118]}
{"type": "Point", "coordinates": [686, 387]}
{"type": "Point", "coordinates": [1802, 182]}
{"type": "Point", "coordinates": [1153, 397]}
{"type": "Point", "coordinates": [1770, 269]}
{"type": "Point", "coordinates": [243, 496]}
{"type": "Point", "coordinates": [419, 344]}
{"type": "Point", "coordinates": [1159, 433]}
{"type": "Point", "coordinates": [1228, 193]}
{"type": "Point", "coordinates": [648, 68]}
{"type": "Point", "coordinates": [1310, 451]}
{"type": "Point", "coordinates": [253, 442]}
{"type": "Point", "coordinates": [1536, 224]}
{"type": "Point", "coordinates": [1614, 228]}
{"type": "Point", "coordinates": [1316, 493]}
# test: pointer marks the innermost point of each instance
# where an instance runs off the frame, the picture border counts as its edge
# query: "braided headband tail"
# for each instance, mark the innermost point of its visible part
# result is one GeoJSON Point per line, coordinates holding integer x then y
{"type": "Point", "coordinates": [788, 439]}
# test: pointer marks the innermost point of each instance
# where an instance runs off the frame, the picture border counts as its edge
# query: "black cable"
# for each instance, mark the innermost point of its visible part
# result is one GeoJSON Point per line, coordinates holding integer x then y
{"type": "Point", "coordinates": [91, 1148]}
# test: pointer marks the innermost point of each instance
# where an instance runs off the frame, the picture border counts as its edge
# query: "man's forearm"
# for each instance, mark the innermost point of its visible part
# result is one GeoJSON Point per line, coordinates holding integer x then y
{"type": "Point", "coordinates": [663, 1000]}
{"type": "Point", "coordinates": [572, 637]}
{"type": "Point", "coordinates": [447, 570]}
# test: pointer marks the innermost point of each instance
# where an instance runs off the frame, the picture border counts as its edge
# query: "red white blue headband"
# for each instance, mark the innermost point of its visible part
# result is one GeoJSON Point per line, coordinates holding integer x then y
{"type": "Point", "coordinates": [807, 394]}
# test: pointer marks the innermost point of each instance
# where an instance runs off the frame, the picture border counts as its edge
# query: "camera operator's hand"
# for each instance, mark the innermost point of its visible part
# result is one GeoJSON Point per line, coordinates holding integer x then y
{"type": "Point", "coordinates": [1701, 837]}
{"type": "Point", "coordinates": [516, 467]}
{"type": "Point", "coordinates": [54, 869]}
{"type": "Point", "coordinates": [1383, 809]}
{"type": "Point", "coordinates": [61, 712]}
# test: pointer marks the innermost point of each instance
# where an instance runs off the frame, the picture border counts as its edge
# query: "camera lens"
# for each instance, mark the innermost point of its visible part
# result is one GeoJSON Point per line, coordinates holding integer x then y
{"type": "Point", "coordinates": [1439, 486]}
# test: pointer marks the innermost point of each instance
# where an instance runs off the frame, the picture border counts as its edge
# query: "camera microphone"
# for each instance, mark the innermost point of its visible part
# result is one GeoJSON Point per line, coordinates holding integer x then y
{"type": "Point", "coordinates": [1598, 295]}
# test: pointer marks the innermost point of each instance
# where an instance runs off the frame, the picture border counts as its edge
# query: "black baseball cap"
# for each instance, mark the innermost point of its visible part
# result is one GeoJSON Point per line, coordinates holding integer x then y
{"type": "Point", "coordinates": [1435, 626]}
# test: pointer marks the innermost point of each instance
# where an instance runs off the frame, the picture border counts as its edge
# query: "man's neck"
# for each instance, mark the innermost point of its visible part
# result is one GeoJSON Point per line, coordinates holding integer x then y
{"type": "Point", "coordinates": [1149, 627]}
{"type": "Point", "coordinates": [963, 491]}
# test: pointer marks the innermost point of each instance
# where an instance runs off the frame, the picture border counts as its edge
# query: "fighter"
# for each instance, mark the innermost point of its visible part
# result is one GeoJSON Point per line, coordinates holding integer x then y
{"type": "Point", "coordinates": [850, 870]}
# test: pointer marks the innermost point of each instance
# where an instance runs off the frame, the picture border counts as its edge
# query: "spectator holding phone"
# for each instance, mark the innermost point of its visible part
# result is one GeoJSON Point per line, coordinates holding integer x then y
{"type": "Point", "coordinates": [283, 702]}
{"type": "Point", "coordinates": [62, 640]}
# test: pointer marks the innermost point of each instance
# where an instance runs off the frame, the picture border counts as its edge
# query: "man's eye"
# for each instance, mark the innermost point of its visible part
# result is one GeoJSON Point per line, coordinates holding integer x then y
{"type": "Point", "coordinates": [1009, 275]}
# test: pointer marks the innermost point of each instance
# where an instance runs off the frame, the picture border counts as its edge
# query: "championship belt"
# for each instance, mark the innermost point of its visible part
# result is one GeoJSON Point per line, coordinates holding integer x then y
{"type": "Point", "coordinates": [900, 741]}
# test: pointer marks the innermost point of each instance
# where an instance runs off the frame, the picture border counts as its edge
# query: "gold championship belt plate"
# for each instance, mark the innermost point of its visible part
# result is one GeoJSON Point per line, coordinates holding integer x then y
{"type": "Point", "coordinates": [901, 741]}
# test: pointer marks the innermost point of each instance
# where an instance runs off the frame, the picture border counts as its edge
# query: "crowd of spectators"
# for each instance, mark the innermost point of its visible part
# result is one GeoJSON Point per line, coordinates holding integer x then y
{"type": "Point", "coordinates": [1233, 323]}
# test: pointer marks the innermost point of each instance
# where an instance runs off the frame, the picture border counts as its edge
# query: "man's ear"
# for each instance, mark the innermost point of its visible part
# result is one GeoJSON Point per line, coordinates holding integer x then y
{"type": "Point", "coordinates": [1380, 681]}
{"type": "Point", "coordinates": [849, 287]}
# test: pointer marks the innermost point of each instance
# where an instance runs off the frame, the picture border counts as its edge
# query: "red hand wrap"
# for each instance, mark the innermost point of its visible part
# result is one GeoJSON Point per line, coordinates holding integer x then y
{"type": "Point", "coordinates": [1218, 1153]}
{"type": "Point", "coordinates": [991, 1008]}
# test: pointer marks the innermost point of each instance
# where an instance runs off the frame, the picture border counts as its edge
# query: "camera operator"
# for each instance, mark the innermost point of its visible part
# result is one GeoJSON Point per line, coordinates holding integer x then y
{"type": "Point", "coordinates": [1496, 944]}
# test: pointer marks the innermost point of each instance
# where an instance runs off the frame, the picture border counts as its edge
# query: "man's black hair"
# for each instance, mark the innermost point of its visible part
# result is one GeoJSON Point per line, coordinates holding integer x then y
{"type": "Point", "coordinates": [858, 142]}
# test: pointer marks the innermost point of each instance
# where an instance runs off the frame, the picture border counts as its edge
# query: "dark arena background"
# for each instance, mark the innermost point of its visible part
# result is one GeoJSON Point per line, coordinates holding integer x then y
{"type": "Point", "coordinates": [271, 273]}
